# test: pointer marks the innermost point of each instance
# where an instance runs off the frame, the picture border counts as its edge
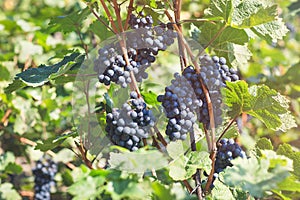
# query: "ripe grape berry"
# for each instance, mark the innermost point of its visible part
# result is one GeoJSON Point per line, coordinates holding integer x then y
{"type": "Point", "coordinates": [128, 125]}
{"type": "Point", "coordinates": [44, 173]}
{"type": "Point", "coordinates": [143, 44]}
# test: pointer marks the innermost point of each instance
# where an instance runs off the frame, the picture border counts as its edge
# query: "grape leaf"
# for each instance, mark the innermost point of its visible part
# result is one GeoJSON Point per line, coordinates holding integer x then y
{"type": "Point", "coordinates": [48, 144]}
{"type": "Point", "coordinates": [175, 149]}
{"type": "Point", "coordinates": [290, 184]}
{"type": "Point", "coordinates": [184, 167]}
{"type": "Point", "coordinates": [249, 13]}
{"type": "Point", "coordinates": [292, 75]}
{"type": "Point", "coordinates": [261, 102]}
{"type": "Point", "coordinates": [220, 191]}
{"type": "Point", "coordinates": [69, 23]}
{"type": "Point", "coordinates": [286, 150]}
{"type": "Point", "coordinates": [7, 192]}
{"type": "Point", "coordinates": [4, 73]}
{"type": "Point", "coordinates": [138, 162]}
{"type": "Point", "coordinates": [271, 31]}
{"type": "Point", "coordinates": [220, 9]}
{"type": "Point", "coordinates": [6, 159]}
{"type": "Point", "coordinates": [100, 29]}
{"type": "Point", "coordinates": [160, 191]}
{"type": "Point", "coordinates": [41, 75]}
{"type": "Point", "coordinates": [15, 85]}
{"type": "Point", "coordinates": [87, 188]}
{"type": "Point", "coordinates": [150, 98]}
{"type": "Point", "coordinates": [258, 175]}
{"type": "Point", "coordinates": [264, 144]}
{"type": "Point", "coordinates": [231, 43]}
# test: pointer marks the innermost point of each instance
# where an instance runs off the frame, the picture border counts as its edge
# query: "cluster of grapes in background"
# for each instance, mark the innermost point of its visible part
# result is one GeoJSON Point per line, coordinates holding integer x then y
{"type": "Point", "coordinates": [143, 43]}
{"type": "Point", "coordinates": [127, 126]}
{"type": "Point", "coordinates": [44, 173]}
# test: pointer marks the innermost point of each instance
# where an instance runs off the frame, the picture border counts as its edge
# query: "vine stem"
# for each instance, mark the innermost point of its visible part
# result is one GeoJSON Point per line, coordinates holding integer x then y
{"type": "Point", "coordinates": [82, 43]}
{"type": "Point", "coordinates": [226, 129]}
{"type": "Point", "coordinates": [182, 55]}
{"type": "Point", "coordinates": [130, 9]}
{"type": "Point", "coordinates": [177, 12]}
{"type": "Point", "coordinates": [109, 16]}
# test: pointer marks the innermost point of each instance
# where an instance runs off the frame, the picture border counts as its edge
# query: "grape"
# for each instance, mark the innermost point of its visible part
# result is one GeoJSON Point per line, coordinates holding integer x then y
{"type": "Point", "coordinates": [181, 103]}
{"type": "Point", "coordinates": [215, 73]}
{"type": "Point", "coordinates": [227, 151]}
{"type": "Point", "coordinates": [44, 173]}
{"type": "Point", "coordinates": [127, 126]}
{"type": "Point", "coordinates": [142, 45]}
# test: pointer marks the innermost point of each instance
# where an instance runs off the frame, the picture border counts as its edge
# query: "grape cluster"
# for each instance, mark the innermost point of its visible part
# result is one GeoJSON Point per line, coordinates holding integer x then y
{"type": "Point", "coordinates": [181, 102]}
{"type": "Point", "coordinates": [44, 173]}
{"type": "Point", "coordinates": [143, 22]}
{"type": "Point", "coordinates": [142, 44]}
{"type": "Point", "coordinates": [227, 151]}
{"type": "Point", "coordinates": [215, 73]}
{"type": "Point", "coordinates": [127, 126]}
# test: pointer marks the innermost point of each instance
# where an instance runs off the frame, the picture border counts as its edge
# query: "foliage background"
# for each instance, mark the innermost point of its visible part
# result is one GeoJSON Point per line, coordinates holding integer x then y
{"type": "Point", "coordinates": [31, 34]}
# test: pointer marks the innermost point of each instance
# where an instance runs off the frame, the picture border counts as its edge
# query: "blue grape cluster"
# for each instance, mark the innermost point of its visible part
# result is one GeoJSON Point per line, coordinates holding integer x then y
{"type": "Point", "coordinates": [44, 173]}
{"type": "Point", "coordinates": [143, 43]}
{"type": "Point", "coordinates": [181, 103]}
{"type": "Point", "coordinates": [127, 126]}
{"type": "Point", "coordinates": [215, 73]}
{"type": "Point", "coordinates": [142, 22]}
{"type": "Point", "coordinates": [227, 151]}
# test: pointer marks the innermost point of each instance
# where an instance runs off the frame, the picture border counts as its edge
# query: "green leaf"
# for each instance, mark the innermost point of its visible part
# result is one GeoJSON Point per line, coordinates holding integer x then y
{"type": "Point", "coordinates": [237, 97]}
{"type": "Point", "coordinates": [290, 184]}
{"type": "Point", "coordinates": [47, 144]}
{"type": "Point", "coordinates": [220, 191]}
{"type": "Point", "coordinates": [231, 43]}
{"type": "Point", "coordinates": [100, 29]}
{"type": "Point", "coordinates": [286, 150]}
{"type": "Point", "coordinates": [8, 193]}
{"type": "Point", "coordinates": [69, 23]}
{"type": "Point", "coordinates": [271, 31]}
{"type": "Point", "coordinates": [292, 75]}
{"type": "Point", "coordinates": [87, 188]}
{"type": "Point", "coordinates": [258, 175]}
{"type": "Point", "coordinates": [15, 85]}
{"type": "Point", "coordinates": [250, 13]}
{"type": "Point", "coordinates": [138, 161]}
{"type": "Point", "coordinates": [220, 9]}
{"type": "Point", "coordinates": [271, 108]}
{"type": "Point", "coordinates": [264, 144]}
{"type": "Point", "coordinates": [261, 102]}
{"type": "Point", "coordinates": [150, 98]}
{"type": "Point", "coordinates": [13, 168]}
{"type": "Point", "coordinates": [41, 75]}
{"type": "Point", "coordinates": [65, 136]}
{"type": "Point", "coordinates": [4, 73]}
{"type": "Point", "coordinates": [175, 149]}
{"type": "Point", "coordinates": [161, 191]}
{"type": "Point", "coordinates": [184, 167]}
{"type": "Point", "coordinates": [6, 159]}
